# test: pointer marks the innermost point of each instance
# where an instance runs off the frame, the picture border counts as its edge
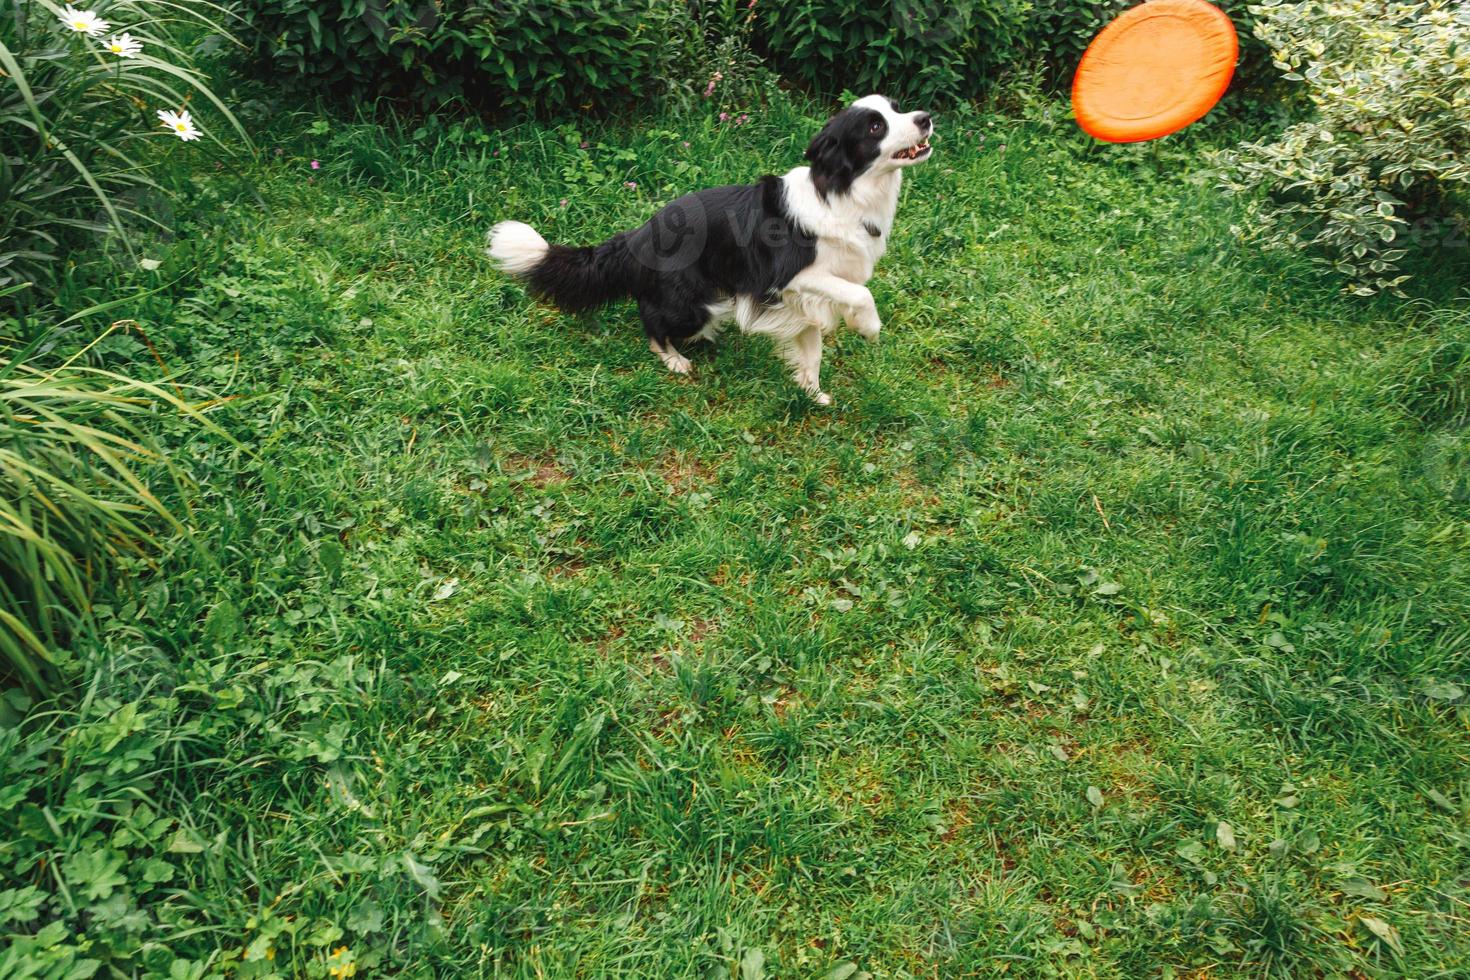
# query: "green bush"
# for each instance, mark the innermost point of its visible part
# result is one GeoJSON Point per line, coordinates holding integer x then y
{"type": "Point", "coordinates": [1376, 167]}
{"type": "Point", "coordinates": [936, 49]}
{"type": "Point", "coordinates": [1058, 31]}
{"type": "Point", "coordinates": [523, 54]}
{"type": "Point", "coordinates": [557, 55]}
{"type": "Point", "coordinates": [78, 106]}
{"type": "Point", "coordinates": [718, 62]}
{"type": "Point", "coordinates": [918, 49]}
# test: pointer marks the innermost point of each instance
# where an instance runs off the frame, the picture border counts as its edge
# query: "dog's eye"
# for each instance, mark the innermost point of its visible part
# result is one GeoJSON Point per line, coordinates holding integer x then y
{"type": "Point", "coordinates": [875, 128]}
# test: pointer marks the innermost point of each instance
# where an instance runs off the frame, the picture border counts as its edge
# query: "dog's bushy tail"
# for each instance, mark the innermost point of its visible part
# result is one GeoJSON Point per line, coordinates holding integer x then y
{"type": "Point", "coordinates": [574, 279]}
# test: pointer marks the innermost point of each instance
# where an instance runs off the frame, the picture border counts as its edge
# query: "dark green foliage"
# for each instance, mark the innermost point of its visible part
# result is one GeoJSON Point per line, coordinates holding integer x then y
{"type": "Point", "coordinates": [522, 54]}
{"type": "Point", "coordinates": [1058, 31]}
{"type": "Point", "coordinates": [562, 57]}
{"type": "Point", "coordinates": [362, 43]}
{"type": "Point", "coordinates": [920, 49]}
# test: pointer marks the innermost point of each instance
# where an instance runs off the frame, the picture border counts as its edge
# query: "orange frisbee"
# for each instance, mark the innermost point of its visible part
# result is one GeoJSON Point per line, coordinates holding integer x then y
{"type": "Point", "coordinates": [1154, 70]}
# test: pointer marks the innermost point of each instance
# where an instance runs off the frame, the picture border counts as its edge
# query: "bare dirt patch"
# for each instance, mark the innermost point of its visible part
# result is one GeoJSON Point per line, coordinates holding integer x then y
{"type": "Point", "coordinates": [542, 472]}
{"type": "Point", "coordinates": [685, 472]}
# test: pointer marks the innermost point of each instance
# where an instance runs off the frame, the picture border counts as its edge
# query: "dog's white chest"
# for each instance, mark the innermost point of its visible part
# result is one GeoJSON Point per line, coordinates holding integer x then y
{"type": "Point", "coordinates": [852, 233]}
{"type": "Point", "coordinates": [849, 256]}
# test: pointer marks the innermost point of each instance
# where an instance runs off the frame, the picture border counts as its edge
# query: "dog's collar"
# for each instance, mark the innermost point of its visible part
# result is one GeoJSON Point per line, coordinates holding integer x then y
{"type": "Point", "coordinates": [875, 232]}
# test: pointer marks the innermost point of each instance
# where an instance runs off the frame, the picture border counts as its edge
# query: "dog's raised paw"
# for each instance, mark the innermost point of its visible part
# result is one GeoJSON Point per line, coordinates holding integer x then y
{"type": "Point", "coordinates": [868, 328]}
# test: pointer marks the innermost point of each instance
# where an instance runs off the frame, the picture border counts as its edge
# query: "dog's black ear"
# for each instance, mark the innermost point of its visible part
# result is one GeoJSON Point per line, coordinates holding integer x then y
{"type": "Point", "coordinates": [832, 166]}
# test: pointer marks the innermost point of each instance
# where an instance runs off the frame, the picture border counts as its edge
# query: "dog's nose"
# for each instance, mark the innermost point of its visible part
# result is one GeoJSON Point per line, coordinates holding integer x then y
{"type": "Point", "coordinates": [924, 121]}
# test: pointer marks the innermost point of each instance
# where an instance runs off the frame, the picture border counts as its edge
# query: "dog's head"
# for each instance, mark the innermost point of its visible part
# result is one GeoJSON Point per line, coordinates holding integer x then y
{"type": "Point", "coordinates": [871, 136]}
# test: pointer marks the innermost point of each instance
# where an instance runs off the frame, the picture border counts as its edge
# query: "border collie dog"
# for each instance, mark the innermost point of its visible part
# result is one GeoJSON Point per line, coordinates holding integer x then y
{"type": "Point", "coordinates": [786, 256]}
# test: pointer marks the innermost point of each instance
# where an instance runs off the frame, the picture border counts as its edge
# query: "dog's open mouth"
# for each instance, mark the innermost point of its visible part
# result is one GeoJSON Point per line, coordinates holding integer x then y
{"type": "Point", "coordinates": [914, 152]}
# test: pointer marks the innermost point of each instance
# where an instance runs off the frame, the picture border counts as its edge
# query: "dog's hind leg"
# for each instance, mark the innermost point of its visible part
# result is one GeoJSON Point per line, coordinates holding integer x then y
{"type": "Point", "coordinates": [673, 360]}
{"type": "Point", "coordinates": [664, 324]}
{"type": "Point", "coordinates": [719, 313]}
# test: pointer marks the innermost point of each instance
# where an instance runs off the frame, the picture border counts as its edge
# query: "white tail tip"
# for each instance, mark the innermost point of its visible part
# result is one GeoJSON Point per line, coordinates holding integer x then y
{"type": "Point", "coordinates": [516, 247]}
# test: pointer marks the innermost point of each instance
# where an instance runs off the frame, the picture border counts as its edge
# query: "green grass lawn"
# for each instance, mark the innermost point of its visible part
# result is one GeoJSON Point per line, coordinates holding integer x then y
{"type": "Point", "coordinates": [1112, 623]}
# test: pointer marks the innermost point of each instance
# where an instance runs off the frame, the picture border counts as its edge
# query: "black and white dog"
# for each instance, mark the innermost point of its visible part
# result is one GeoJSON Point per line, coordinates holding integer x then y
{"type": "Point", "coordinates": [786, 256]}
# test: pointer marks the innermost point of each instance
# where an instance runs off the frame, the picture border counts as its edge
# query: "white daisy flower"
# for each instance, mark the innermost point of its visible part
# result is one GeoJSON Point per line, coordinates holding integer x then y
{"type": "Point", "coordinates": [179, 123]}
{"type": "Point", "coordinates": [84, 21]}
{"type": "Point", "coordinates": [123, 45]}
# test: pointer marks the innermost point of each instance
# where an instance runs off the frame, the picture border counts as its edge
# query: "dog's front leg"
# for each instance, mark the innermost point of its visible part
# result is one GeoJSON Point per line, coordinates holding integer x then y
{"type": "Point", "coordinates": [804, 353]}
{"type": "Point", "coordinates": [854, 301]}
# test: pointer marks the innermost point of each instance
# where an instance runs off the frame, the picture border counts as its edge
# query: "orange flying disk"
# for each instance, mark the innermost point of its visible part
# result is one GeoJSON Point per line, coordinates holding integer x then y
{"type": "Point", "coordinates": [1154, 70]}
